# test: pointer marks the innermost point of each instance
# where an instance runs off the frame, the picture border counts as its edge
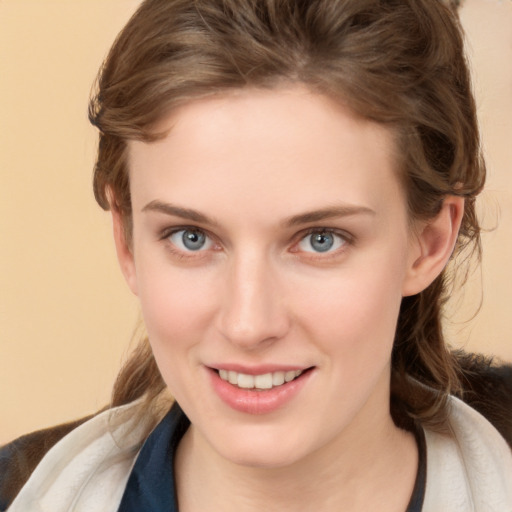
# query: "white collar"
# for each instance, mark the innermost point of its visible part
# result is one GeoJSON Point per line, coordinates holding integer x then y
{"type": "Point", "coordinates": [469, 470]}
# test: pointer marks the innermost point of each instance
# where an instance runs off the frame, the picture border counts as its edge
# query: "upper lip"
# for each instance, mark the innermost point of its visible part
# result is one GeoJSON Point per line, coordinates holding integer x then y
{"type": "Point", "coordinates": [258, 369]}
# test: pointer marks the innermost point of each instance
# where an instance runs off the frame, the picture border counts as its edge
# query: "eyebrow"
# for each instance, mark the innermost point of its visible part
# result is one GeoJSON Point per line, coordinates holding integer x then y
{"type": "Point", "coordinates": [178, 211]}
{"type": "Point", "coordinates": [327, 213]}
{"type": "Point", "coordinates": [302, 218]}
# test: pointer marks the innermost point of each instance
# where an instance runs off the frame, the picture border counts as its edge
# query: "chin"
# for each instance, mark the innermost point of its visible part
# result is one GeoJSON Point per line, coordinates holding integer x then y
{"type": "Point", "coordinates": [261, 447]}
{"type": "Point", "coordinates": [262, 458]}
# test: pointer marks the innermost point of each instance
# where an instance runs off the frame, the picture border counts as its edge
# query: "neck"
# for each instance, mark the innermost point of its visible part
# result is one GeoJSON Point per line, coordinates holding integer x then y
{"type": "Point", "coordinates": [372, 466]}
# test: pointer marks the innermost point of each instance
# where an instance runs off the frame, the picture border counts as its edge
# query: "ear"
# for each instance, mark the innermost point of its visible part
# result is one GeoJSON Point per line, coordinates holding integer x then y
{"type": "Point", "coordinates": [432, 245]}
{"type": "Point", "coordinates": [124, 251]}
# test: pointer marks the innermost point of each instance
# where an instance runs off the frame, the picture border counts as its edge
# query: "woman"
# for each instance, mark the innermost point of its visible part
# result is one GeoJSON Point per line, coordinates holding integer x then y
{"type": "Point", "coordinates": [287, 181]}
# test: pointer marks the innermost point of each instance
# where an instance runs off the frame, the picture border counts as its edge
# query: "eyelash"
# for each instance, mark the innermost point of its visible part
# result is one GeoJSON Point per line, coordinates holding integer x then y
{"type": "Point", "coordinates": [180, 253]}
{"type": "Point", "coordinates": [346, 241]}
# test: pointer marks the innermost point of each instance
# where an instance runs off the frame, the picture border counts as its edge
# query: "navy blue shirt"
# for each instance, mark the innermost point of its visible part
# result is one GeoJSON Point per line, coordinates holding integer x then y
{"type": "Point", "coordinates": [151, 485]}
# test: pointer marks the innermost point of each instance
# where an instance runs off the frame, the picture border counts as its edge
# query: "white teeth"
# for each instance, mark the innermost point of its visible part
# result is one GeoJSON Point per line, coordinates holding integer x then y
{"type": "Point", "coordinates": [245, 381]}
{"type": "Point", "coordinates": [277, 378]}
{"type": "Point", "coordinates": [263, 381]}
{"type": "Point", "coordinates": [289, 376]}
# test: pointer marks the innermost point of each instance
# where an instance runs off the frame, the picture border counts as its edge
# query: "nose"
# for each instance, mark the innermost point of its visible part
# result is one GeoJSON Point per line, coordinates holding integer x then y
{"type": "Point", "coordinates": [253, 311]}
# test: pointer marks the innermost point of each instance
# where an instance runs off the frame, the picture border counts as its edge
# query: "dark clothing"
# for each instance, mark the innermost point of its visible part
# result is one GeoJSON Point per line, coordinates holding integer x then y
{"type": "Point", "coordinates": [151, 485]}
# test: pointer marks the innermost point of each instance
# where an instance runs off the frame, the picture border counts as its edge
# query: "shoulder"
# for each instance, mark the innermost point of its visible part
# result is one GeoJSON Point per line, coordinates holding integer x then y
{"type": "Point", "coordinates": [469, 467]}
{"type": "Point", "coordinates": [19, 458]}
{"type": "Point", "coordinates": [487, 388]}
{"type": "Point", "coordinates": [87, 456]}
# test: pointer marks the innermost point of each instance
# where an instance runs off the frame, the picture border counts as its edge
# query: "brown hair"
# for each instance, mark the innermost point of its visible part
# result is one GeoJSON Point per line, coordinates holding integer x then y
{"type": "Point", "coordinates": [398, 62]}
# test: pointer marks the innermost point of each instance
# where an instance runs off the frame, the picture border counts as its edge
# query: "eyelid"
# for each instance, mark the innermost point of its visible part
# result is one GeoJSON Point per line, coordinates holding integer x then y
{"type": "Point", "coordinates": [347, 238]}
{"type": "Point", "coordinates": [166, 233]}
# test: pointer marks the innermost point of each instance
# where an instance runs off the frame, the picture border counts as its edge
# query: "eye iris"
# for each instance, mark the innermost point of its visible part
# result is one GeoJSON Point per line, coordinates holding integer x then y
{"type": "Point", "coordinates": [322, 242]}
{"type": "Point", "coordinates": [193, 240]}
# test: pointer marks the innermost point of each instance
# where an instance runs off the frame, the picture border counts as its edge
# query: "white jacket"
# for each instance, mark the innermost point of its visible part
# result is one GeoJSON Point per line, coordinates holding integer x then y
{"type": "Point", "coordinates": [87, 471]}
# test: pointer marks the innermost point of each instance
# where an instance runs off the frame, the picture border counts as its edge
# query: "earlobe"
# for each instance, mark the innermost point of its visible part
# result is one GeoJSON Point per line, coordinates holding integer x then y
{"type": "Point", "coordinates": [124, 251]}
{"type": "Point", "coordinates": [433, 245]}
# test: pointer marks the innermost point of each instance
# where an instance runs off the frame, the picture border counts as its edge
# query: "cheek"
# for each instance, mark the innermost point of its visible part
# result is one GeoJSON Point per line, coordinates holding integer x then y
{"type": "Point", "coordinates": [353, 315]}
{"type": "Point", "coordinates": [177, 311]}
{"type": "Point", "coordinates": [176, 304]}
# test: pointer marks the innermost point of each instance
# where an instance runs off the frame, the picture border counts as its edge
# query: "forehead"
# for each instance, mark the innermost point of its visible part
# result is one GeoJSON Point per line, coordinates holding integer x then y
{"type": "Point", "coordinates": [281, 146]}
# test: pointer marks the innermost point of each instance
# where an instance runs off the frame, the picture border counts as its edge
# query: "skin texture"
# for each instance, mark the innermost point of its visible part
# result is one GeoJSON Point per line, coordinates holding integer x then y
{"type": "Point", "coordinates": [261, 170]}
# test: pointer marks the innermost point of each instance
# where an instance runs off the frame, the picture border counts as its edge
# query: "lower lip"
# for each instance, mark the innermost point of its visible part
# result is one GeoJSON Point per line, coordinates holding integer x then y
{"type": "Point", "coordinates": [252, 401]}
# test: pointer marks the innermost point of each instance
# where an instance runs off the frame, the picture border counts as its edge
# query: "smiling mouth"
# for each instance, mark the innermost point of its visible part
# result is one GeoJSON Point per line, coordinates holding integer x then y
{"type": "Point", "coordinates": [260, 382]}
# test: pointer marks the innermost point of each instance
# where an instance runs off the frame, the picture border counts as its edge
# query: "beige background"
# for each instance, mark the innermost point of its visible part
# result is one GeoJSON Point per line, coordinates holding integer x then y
{"type": "Point", "coordinates": [66, 316]}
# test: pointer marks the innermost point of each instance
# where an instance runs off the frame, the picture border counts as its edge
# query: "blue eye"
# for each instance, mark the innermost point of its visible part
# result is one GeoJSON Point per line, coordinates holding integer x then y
{"type": "Point", "coordinates": [321, 241]}
{"type": "Point", "coordinates": [190, 240]}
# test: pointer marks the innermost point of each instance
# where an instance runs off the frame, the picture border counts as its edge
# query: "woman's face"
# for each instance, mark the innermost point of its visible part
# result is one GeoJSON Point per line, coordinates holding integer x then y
{"type": "Point", "coordinates": [270, 240]}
